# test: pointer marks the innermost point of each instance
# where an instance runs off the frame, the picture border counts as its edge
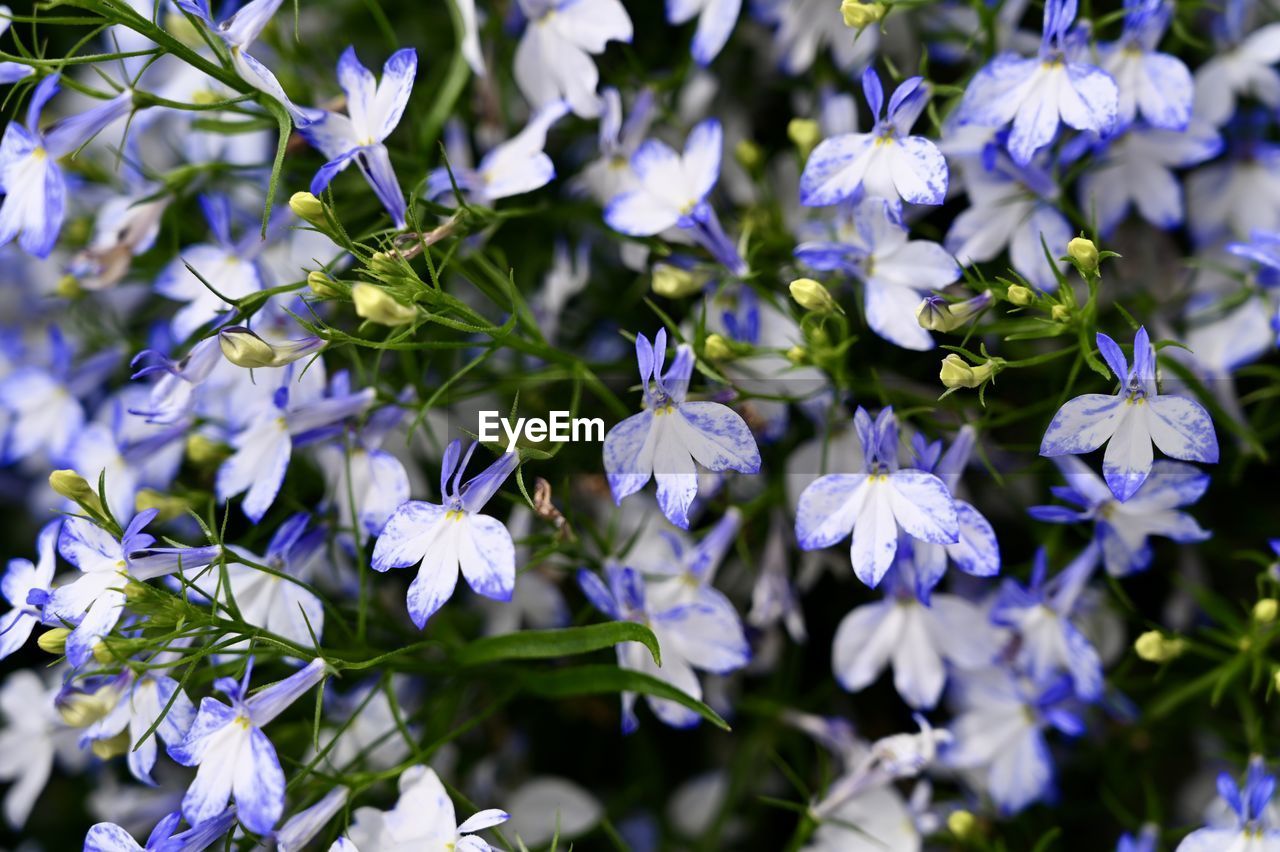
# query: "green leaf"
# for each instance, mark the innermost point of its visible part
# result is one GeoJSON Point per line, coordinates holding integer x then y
{"type": "Point", "coordinates": [596, 680]}
{"type": "Point", "coordinates": [549, 644]}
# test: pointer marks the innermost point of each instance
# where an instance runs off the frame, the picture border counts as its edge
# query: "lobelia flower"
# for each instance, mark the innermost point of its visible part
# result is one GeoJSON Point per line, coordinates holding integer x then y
{"type": "Point", "coordinates": [672, 436]}
{"type": "Point", "coordinates": [423, 819]}
{"type": "Point", "coordinates": [470, 46]}
{"type": "Point", "coordinates": [1154, 84]}
{"type": "Point", "coordinates": [34, 189]}
{"type": "Point", "coordinates": [363, 481]}
{"type": "Point", "coordinates": [885, 163]}
{"type": "Point", "coordinates": [875, 504]}
{"type": "Point", "coordinates": [1130, 421]}
{"type": "Point", "coordinates": [671, 191]}
{"type": "Point", "coordinates": [918, 638]}
{"type": "Point", "coordinates": [610, 174]}
{"type": "Point", "coordinates": [1135, 171]}
{"type": "Point", "coordinates": [976, 552]}
{"type": "Point", "coordinates": [165, 837]}
{"type": "Point", "coordinates": [1144, 841]}
{"type": "Point", "coordinates": [773, 598]}
{"type": "Point", "coordinates": [373, 111]}
{"type": "Point", "coordinates": [301, 828]}
{"type": "Point", "coordinates": [1235, 194]}
{"type": "Point", "coordinates": [872, 244]}
{"type": "Point", "coordinates": [173, 396]}
{"type": "Point", "coordinates": [234, 756]}
{"type": "Point", "coordinates": [364, 730]}
{"type": "Point", "coordinates": [26, 587]}
{"type": "Point", "coordinates": [1039, 93]}
{"type": "Point", "coordinates": [999, 734]}
{"type": "Point", "coordinates": [553, 60]}
{"type": "Point", "coordinates": [95, 601]}
{"type": "Point", "coordinates": [716, 19]}
{"type": "Point", "coordinates": [1041, 613]}
{"type": "Point", "coordinates": [1253, 830]}
{"type": "Point", "coordinates": [147, 701]}
{"type": "Point", "coordinates": [11, 72]}
{"type": "Point", "coordinates": [238, 32]}
{"type": "Point", "coordinates": [443, 538]}
{"type": "Point", "coordinates": [514, 167]}
{"type": "Point", "coordinates": [31, 737]}
{"type": "Point", "coordinates": [264, 447]}
{"type": "Point", "coordinates": [1243, 63]}
{"type": "Point", "coordinates": [1122, 528]}
{"type": "Point", "coordinates": [695, 634]}
{"type": "Point", "coordinates": [806, 26]}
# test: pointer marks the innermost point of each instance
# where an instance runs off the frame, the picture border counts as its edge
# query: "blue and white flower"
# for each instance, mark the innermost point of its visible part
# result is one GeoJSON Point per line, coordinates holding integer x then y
{"type": "Point", "coordinates": [1156, 85]}
{"type": "Point", "coordinates": [553, 60]}
{"type": "Point", "coordinates": [716, 19]}
{"type": "Point", "coordinates": [149, 706]}
{"type": "Point", "coordinates": [238, 32]}
{"type": "Point", "coordinates": [1242, 65]}
{"type": "Point", "coordinates": [513, 167]}
{"type": "Point", "coordinates": [165, 837]}
{"type": "Point", "coordinates": [1253, 830]}
{"type": "Point", "coordinates": [26, 587]}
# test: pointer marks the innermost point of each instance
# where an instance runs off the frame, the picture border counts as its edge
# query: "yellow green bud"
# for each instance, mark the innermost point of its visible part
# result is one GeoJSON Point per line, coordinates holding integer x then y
{"type": "Point", "coordinates": [1020, 295]}
{"type": "Point", "coordinates": [717, 348]}
{"type": "Point", "coordinates": [245, 349]}
{"type": "Point", "coordinates": [858, 15]}
{"type": "Point", "coordinates": [672, 282]}
{"type": "Point", "coordinates": [1085, 255]}
{"type": "Point", "coordinates": [82, 709]}
{"type": "Point", "coordinates": [1060, 313]}
{"type": "Point", "coordinates": [54, 641]}
{"type": "Point", "coordinates": [308, 208]}
{"type": "Point", "coordinates": [323, 285]}
{"type": "Point", "coordinates": [68, 287]}
{"type": "Point", "coordinates": [812, 296]}
{"type": "Point", "coordinates": [805, 134]}
{"type": "Point", "coordinates": [113, 747]}
{"type": "Point", "coordinates": [73, 486]}
{"type": "Point", "coordinates": [1154, 647]}
{"type": "Point", "coordinates": [1266, 610]}
{"type": "Point", "coordinates": [962, 824]}
{"type": "Point", "coordinates": [748, 154]}
{"type": "Point", "coordinates": [377, 305]}
{"type": "Point", "coordinates": [167, 505]}
{"type": "Point", "coordinates": [797, 355]}
{"type": "Point", "coordinates": [959, 373]}
{"type": "Point", "coordinates": [205, 452]}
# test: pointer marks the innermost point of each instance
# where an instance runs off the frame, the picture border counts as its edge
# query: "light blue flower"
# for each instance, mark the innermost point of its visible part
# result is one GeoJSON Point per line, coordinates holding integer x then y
{"type": "Point", "coordinates": [1130, 421]}
{"type": "Point", "coordinates": [1039, 93]}
{"type": "Point", "coordinates": [1156, 85]}
{"type": "Point", "coordinates": [672, 436]}
{"type": "Point", "coordinates": [35, 192]}
{"type": "Point", "coordinates": [553, 60]}
{"type": "Point", "coordinates": [373, 111]}
{"type": "Point", "coordinates": [716, 19]}
{"type": "Point", "coordinates": [1243, 63]}
{"type": "Point", "coordinates": [26, 587]}
{"type": "Point", "coordinates": [452, 536]}
{"type": "Point", "coordinates": [364, 482]}
{"type": "Point", "coordinates": [165, 837]}
{"type": "Point", "coordinates": [704, 634]}
{"type": "Point", "coordinates": [238, 32]}
{"type": "Point", "coordinates": [805, 27]}
{"type": "Point", "coordinates": [1254, 829]}
{"type": "Point", "coordinates": [671, 191]}
{"type": "Point", "coordinates": [263, 448]}
{"type": "Point", "coordinates": [1122, 528]}
{"type": "Point", "coordinates": [1144, 841]}
{"type": "Point", "coordinates": [152, 700]}
{"type": "Point", "coordinates": [423, 818]}
{"type": "Point", "coordinates": [871, 243]}
{"type": "Point", "coordinates": [1041, 613]}
{"type": "Point", "coordinates": [885, 163]}
{"type": "Point", "coordinates": [875, 504]}
{"type": "Point", "coordinates": [234, 756]}
{"type": "Point", "coordinates": [610, 174]}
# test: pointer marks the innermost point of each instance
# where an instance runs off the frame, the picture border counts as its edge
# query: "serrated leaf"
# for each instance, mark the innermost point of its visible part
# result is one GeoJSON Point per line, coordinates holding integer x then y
{"type": "Point", "coordinates": [550, 644]}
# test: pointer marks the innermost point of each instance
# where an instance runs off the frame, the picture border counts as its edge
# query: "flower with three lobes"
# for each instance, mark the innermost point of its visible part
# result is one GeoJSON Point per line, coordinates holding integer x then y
{"type": "Point", "coordinates": [234, 756]}
{"type": "Point", "coordinates": [26, 587]}
{"type": "Point", "coordinates": [1249, 825]}
{"type": "Point", "coordinates": [1037, 94]}
{"type": "Point", "coordinates": [1131, 420]}
{"type": "Point", "coordinates": [1154, 84]}
{"type": "Point", "coordinates": [35, 192]}
{"type": "Point", "coordinates": [373, 111]}
{"type": "Point", "coordinates": [875, 504]}
{"type": "Point", "coordinates": [672, 436]}
{"type": "Point", "coordinates": [885, 163]}
{"type": "Point", "coordinates": [443, 539]}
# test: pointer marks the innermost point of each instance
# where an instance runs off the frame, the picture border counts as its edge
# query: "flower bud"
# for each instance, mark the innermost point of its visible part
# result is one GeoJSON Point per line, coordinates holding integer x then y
{"type": "Point", "coordinates": [858, 15]}
{"type": "Point", "coordinates": [962, 824]}
{"type": "Point", "coordinates": [72, 485]}
{"type": "Point", "coordinates": [204, 451]}
{"type": "Point", "coordinates": [81, 709]}
{"type": "Point", "coordinates": [797, 355]}
{"type": "Point", "coordinates": [1154, 647]}
{"type": "Point", "coordinates": [672, 282]}
{"type": "Point", "coordinates": [1020, 295]}
{"type": "Point", "coordinates": [937, 314]}
{"type": "Point", "coordinates": [68, 287]}
{"type": "Point", "coordinates": [1266, 610]}
{"type": "Point", "coordinates": [748, 155]}
{"type": "Point", "coordinates": [323, 285]}
{"type": "Point", "coordinates": [958, 373]}
{"type": "Point", "coordinates": [54, 641]}
{"type": "Point", "coordinates": [308, 208]}
{"type": "Point", "coordinates": [386, 265]}
{"type": "Point", "coordinates": [102, 653]}
{"type": "Point", "coordinates": [377, 305]}
{"type": "Point", "coordinates": [1084, 254]}
{"type": "Point", "coordinates": [167, 505]}
{"type": "Point", "coordinates": [812, 296]}
{"type": "Point", "coordinates": [717, 348]}
{"type": "Point", "coordinates": [805, 134]}
{"type": "Point", "coordinates": [1060, 313]}
{"type": "Point", "coordinates": [246, 349]}
{"type": "Point", "coordinates": [113, 747]}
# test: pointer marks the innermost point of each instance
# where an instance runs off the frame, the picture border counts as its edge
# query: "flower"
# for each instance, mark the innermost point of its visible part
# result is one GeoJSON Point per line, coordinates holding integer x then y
{"type": "Point", "coordinates": [672, 435]}
{"type": "Point", "coordinates": [238, 32]}
{"type": "Point", "coordinates": [34, 189]}
{"type": "Point", "coordinates": [234, 756]}
{"type": "Point", "coordinates": [514, 167]}
{"type": "Point", "coordinates": [165, 837]}
{"type": "Point", "coordinates": [1121, 528]}
{"type": "Point", "coordinates": [703, 633]}
{"type": "Point", "coordinates": [443, 538]}
{"type": "Point", "coordinates": [1154, 84]}
{"type": "Point", "coordinates": [553, 60]}
{"type": "Point", "coordinates": [1037, 94]}
{"type": "Point", "coordinates": [1253, 829]}
{"type": "Point", "coordinates": [363, 481]}
{"type": "Point", "coordinates": [671, 191]}
{"type": "Point", "coordinates": [152, 700]}
{"type": "Point", "coordinates": [1242, 64]}
{"type": "Point", "coordinates": [1131, 421]}
{"type": "Point", "coordinates": [875, 504]}
{"type": "Point", "coordinates": [885, 163]}
{"type": "Point", "coordinates": [32, 736]}
{"type": "Point", "coordinates": [423, 819]}
{"type": "Point", "coordinates": [716, 19]}
{"type": "Point", "coordinates": [373, 111]}
{"type": "Point", "coordinates": [244, 348]}
{"type": "Point", "coordinates": [26, 587]}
